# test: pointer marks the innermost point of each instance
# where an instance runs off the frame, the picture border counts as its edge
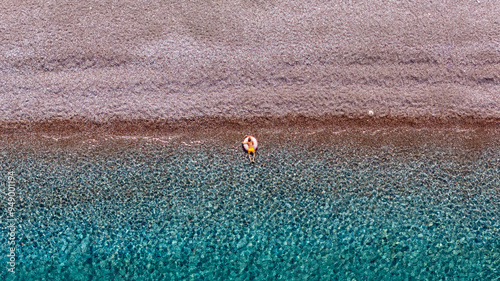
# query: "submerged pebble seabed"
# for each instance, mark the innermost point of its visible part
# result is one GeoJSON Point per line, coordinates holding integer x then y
{"type": "Point", "coordinates": [150, 212]}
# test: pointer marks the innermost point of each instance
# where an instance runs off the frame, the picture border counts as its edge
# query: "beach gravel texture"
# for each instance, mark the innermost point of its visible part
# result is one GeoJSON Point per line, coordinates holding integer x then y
{"type": "Point", "coordinates": [102, 60]}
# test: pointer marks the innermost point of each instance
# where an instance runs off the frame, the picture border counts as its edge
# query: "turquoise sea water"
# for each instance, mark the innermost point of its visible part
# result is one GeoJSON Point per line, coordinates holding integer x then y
{"type": "Point", "coordinates": [141, 210]}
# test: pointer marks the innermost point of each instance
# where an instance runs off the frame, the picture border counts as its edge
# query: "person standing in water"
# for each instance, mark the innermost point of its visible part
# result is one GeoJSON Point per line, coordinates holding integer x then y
{"type": "Point", "coordinates": [251, 149]}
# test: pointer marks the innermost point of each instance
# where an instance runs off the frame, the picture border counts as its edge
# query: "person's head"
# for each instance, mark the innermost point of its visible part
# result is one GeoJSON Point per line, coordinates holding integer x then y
{"type": "Point", "coordinates": [250, 139]}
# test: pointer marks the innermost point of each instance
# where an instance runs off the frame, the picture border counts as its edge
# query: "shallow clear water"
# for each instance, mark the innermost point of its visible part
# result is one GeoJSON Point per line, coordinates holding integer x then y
{"type": "Point", "coordinates": [140, 211]}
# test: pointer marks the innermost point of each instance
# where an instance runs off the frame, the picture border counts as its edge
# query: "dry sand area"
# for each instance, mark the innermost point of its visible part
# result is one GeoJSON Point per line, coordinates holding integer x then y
{"type": "Point", "coordinates": [159, 61]}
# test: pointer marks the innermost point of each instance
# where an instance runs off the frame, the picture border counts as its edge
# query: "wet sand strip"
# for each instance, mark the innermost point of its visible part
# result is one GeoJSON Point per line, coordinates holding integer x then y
{"type": "Point", "coordinates": [303, 131]}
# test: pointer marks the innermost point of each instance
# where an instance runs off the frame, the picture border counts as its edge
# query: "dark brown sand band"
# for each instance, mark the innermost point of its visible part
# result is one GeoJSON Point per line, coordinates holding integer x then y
{"type": "Point", "coordinates": [205, 124]}
{"type": "Point", "coordinates": [301, 132]}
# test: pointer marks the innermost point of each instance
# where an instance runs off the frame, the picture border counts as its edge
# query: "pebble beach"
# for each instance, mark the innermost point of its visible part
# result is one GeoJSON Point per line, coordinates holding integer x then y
{"type": "Point", "coordinates": [121, 125]}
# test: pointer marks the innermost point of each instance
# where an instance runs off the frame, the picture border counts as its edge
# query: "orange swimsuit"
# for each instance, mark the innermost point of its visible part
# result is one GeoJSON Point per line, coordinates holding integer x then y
{"type": "Point", "coordinates": [251, 149]}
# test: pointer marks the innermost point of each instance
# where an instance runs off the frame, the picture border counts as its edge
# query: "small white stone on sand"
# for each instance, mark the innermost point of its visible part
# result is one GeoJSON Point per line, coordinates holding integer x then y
{"type": "Point", "coordinates": [370, 112]}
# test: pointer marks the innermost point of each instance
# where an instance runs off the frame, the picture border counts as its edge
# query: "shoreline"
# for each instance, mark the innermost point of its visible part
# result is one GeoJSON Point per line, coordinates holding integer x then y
{"type": "Point", "coordinates": [146, 126]}
{"type": "Point", "coordinates": [300, 132]}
